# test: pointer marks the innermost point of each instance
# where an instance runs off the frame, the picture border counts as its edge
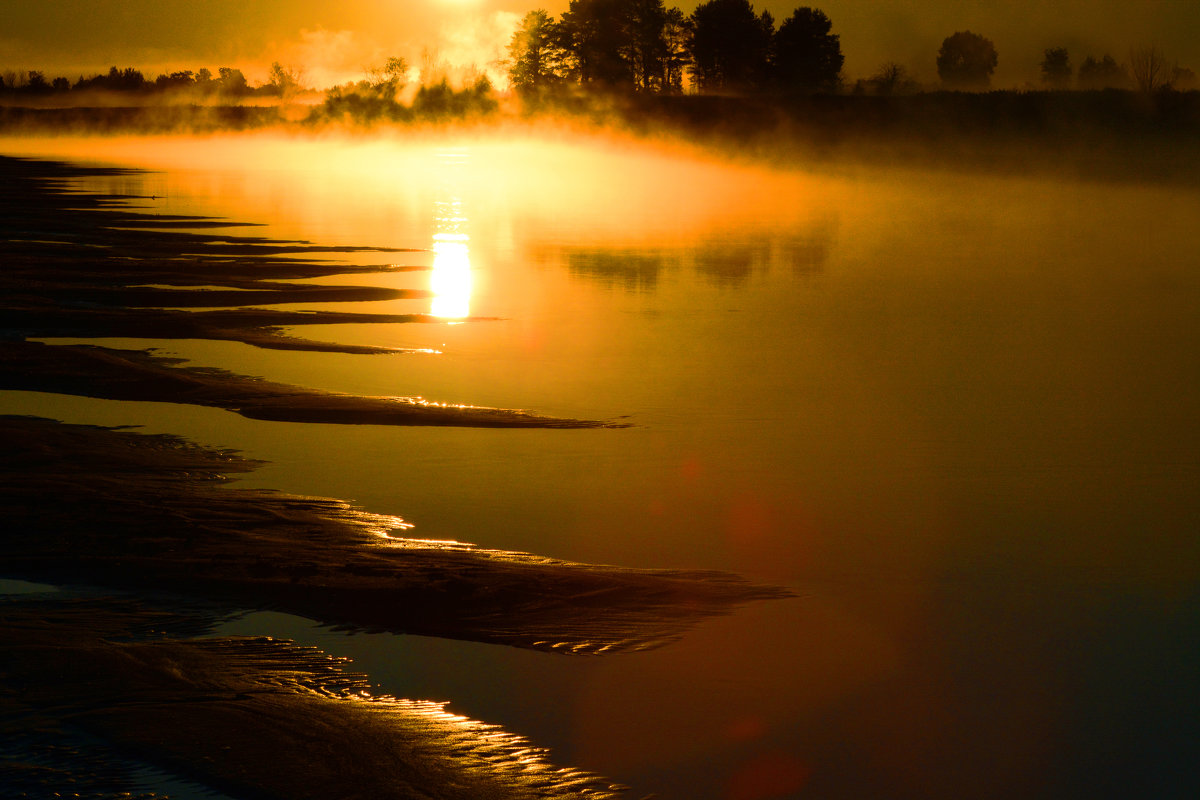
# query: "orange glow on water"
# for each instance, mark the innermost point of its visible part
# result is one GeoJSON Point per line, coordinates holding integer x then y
{"type": "Point", "coordinates": [854, 387]}
{"type": "Point", "coordinates": [770, 775]}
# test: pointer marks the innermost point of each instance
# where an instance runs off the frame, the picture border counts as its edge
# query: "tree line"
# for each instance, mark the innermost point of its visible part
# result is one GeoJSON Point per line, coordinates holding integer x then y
{"type": "Point", "coordinates": [725, 46]}
{"type": "Point", "coordinates": [1148, 70]}
{"type": "Point", "coordinates": [641, 45]}
{"type": "Point", "coordinates": [228, 82]}
{"type": "Point", "coordinates": [377, 96]}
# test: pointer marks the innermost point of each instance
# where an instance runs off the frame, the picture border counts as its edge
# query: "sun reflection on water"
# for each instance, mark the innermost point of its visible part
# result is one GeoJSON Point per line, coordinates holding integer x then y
{"type": "Point", "coordinates": [451, 280]}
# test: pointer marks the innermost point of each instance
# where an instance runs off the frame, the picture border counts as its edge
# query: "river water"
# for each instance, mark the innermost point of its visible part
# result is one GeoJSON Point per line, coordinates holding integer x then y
{"type": "Point", "coordinates": [958, 413]}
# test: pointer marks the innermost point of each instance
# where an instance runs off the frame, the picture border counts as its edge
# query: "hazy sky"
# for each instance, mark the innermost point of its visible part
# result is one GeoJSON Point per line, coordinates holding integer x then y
{"type": "Point", "coordinates": [334, 40]}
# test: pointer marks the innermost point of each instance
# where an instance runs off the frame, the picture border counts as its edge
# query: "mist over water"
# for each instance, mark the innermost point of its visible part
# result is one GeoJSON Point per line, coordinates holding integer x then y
{"type": "Point", "coordinates": [957, 412]}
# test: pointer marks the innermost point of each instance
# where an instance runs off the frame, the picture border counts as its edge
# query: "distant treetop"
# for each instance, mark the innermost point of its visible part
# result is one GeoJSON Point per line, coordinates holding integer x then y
{"type": "Point", "coordinates": [966, 61]}
{"type": "Point", "coordinates": [808, 57]}
{"type": "Point", "coordinates": [731, 46]}
{"type": "Point", "coordinates": [1056, 68]}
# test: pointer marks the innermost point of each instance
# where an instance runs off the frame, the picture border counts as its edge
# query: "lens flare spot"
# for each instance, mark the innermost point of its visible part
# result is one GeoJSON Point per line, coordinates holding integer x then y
{"type": "Point", "coordinates": [769, 776]}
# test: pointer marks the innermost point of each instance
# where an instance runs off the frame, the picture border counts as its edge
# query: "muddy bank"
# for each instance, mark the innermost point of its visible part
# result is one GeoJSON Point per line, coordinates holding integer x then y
{"type": "Point", "coordinates": [103, 372]}
{"type": "Point", "coordinates": [262, 328]}
{"type": "Point", "coordinates": [95, 506]}
{"type": "Point", "coordinates": [98, 685]}
{"type": "Point", "coordinates": [96, 689]}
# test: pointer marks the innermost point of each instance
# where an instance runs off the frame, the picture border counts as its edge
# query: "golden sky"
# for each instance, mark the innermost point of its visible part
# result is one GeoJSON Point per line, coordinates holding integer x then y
{"type": "Point", "coordinates": [333, 41]}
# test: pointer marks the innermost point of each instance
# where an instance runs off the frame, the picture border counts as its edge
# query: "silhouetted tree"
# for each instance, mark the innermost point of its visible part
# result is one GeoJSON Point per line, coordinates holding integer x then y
{"type": "Point", "coordinates": [357, 102]}
{"type": "Point", "coordinates": [1056, 68]}
{"type": "Point", "coordinates": [388, 78]}
{"type": "Point", "coordinates": [966, 61]}
{"type": "Point", "coordinates": [638, 44]}
{"type": "Point", "coordinates": [1150, 69]}
{"type": "Point", "coordinates": [118, 80]}
{"type": "Point", "coordinates": [129, 79]}
{"type": "Point", "coordinates": [731, 46]}
{"type": "Point", "coordinates": [36, 83]}
{"type": "Point", "coordinates": [593, 35]}
{"type": "Point", "coordinates": [232, 82]}
{"type": "Point", "coordinates": [808, 57]}
{"type": "Point", "coordinates": [645, 47]}
{"type": "Point", "coordinates": [1104, 73]}
{"type": "Point", "coordinates": [283, 81]}
{"type": "Point", "coordinates": [440, 101]}
{"type": "Point", "coordinates": [1183, 79]}
{"type": "Point", "coordinates": [205, 83]}
{"type": "Point", "coordinates": [534, 61]}
{"type": "Point", "coordinates": [677, 37]}
{"type": "Point", "coordinates": [890, 79]}
{"type": "Point", "coordinates": [60, 85]}
{"type": "Point", "coordinates": [371, 99]}
{"type": "Point", "coordinates": [182, 79]}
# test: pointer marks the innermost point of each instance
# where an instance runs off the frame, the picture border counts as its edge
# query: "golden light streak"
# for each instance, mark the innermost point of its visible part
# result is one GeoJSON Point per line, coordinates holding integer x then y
{"type": "Point", "coordinates": [451, 279]}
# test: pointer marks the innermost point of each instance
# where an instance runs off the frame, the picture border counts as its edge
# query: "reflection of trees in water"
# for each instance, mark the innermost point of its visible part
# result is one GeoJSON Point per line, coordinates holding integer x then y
{"type": "Point", "coordinates": [628, 269]}
{"type": "Point", "coordinates": [723, 261]}
{"type": "Point", "coordinates": [808, 251]}
{"type": "Point", "coordinates": [733, 262]}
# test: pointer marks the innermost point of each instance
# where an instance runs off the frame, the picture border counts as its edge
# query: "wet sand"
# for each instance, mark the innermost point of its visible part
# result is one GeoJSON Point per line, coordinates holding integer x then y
{"type": "Point", "coordinates": [249, 716]}
{"type": "Point", "coordinates": [91, 505]}
{"type": "Point", "coordinates": [92, 371]}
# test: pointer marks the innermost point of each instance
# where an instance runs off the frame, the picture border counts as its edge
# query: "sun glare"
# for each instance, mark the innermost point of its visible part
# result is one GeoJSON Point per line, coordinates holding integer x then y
{"type": "Point", "coordinates": [451, 279]}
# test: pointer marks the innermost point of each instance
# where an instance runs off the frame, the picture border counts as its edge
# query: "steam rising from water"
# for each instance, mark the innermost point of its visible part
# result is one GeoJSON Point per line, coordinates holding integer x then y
{"type": "Point", "coordinates": [629, 192]}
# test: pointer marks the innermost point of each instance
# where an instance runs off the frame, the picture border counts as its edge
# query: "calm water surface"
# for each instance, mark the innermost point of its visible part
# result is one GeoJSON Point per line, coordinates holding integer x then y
{"type": "Point", "coordinates": [958, 414]}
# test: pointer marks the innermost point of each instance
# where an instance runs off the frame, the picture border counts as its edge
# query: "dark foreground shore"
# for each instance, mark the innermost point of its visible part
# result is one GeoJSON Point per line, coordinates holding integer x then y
{"type": "Point", "coordinates": [119, 669]}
